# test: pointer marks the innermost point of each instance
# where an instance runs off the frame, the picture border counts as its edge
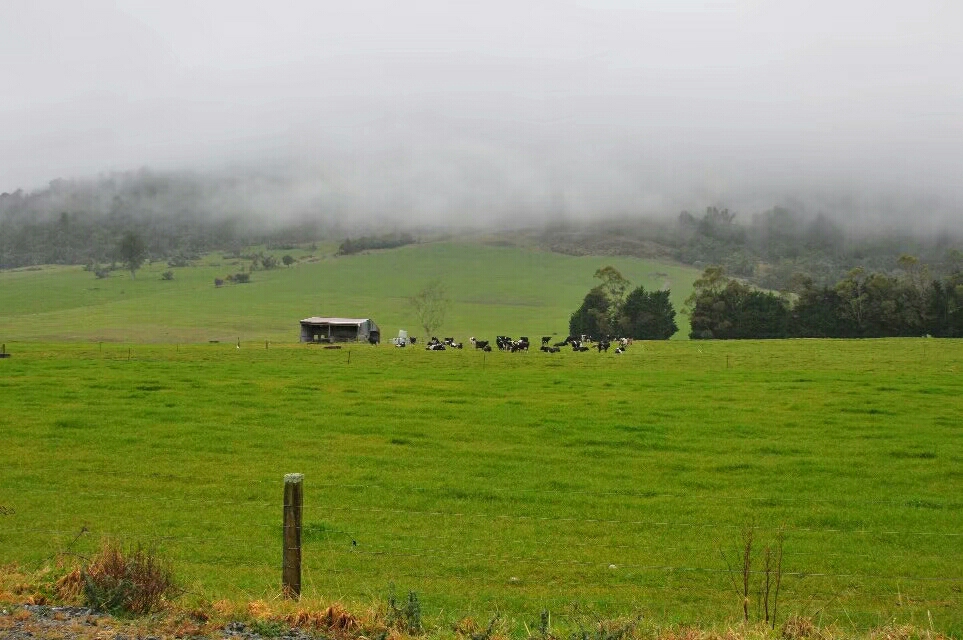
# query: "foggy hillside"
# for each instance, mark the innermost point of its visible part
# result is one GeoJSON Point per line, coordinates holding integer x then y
{"type": "Point", "coordinates": [182, 214]}
{"type": "Point", "coordinates": [330, 119]}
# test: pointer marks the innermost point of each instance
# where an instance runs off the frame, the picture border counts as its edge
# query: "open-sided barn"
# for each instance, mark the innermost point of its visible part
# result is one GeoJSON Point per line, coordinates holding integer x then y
{"type": "Point", "coordinates": [317, 329]}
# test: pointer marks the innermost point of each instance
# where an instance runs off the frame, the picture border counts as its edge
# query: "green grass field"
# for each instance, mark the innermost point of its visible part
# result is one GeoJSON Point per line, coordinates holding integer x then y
{"type": "Point", "coordinates": [494, 290]}
{"type": "Point", "coordinates": [507, 483]}
{"type": "Point", "coordinates": [581, 484]}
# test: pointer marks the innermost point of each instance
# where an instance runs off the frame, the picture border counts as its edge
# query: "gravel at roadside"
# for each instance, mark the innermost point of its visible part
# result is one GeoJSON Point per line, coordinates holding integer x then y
{"type": "Point", "coordinates": [35, 622]}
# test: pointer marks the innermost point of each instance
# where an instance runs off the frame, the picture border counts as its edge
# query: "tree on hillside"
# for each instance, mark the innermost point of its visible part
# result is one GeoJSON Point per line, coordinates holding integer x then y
{"type": "Point", "coordinates": [592, 318]}
{"type": "Point", "coordinates": [727, 309]}
{"type": "Point", "coordinates": [132, 251]}
{"type": "Point", "coordinates": [816, 313]}
{"type": "Point", "coordinates": [613, 284]}
{"type": "Point", "coordinates": [606, 311]}
{"type": "Point", "coordinates": [598, 316]}
{"type": "Point", "coordinates": [647, 315]}
{"type": "Point", "coordinates": [431, 305]}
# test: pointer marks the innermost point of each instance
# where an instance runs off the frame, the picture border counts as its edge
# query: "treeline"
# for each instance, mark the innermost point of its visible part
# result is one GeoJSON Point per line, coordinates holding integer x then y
{"type": "Point", "coordinates": [365, 243]}
{"type": "Point", "coordinates": [861, 305]}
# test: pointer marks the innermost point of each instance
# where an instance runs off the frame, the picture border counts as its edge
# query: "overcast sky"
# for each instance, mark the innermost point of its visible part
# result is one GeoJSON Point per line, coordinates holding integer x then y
{"type": "Point", "coordinates": [438, 109]}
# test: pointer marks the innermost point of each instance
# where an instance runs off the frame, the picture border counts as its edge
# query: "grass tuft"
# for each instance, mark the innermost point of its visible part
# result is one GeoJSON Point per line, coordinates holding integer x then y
{"type": "Point", "coordinates": [134, 581]}
{"type": "Point", "coordinates": [70, 587]}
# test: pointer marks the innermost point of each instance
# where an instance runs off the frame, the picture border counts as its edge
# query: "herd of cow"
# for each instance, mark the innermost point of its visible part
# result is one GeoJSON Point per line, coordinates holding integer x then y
{"type": "Point", "coordinates": [579, 344]}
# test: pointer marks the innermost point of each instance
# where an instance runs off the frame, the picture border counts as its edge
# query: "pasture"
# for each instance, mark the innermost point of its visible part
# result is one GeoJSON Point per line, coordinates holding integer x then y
{"type": "Point", "coordinates": [493, 290]}
{"type": "Point", "coordinates": [579, 484]}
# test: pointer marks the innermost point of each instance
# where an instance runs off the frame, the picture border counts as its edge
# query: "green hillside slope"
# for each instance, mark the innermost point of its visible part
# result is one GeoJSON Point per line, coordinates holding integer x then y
{"type": "Point", "coordinates": [494, 290]}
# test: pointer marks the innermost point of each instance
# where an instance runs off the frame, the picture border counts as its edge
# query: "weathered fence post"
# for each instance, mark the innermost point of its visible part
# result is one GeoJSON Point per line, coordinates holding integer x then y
{"type": "Point", "coordinates": [293, 501]}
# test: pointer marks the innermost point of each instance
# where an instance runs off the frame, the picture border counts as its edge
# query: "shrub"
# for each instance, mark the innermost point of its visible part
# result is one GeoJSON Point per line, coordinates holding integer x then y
{"type": "Point", "coordinates": [406, 618]}
{"type": "Point", "coordinates": [167, 275]}
{"type": "Point", "coordinates": [387, 241]}
{"type": "Point", "coordinates": [242, 278]}
{"type": "Point", "coordinates": [134, 581]}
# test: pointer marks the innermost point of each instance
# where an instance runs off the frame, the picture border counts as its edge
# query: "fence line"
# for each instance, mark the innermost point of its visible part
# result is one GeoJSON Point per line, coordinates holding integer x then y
{"type": "Point", "coordinates": [596, 544]}
{"type": "Point", "coordinates": [907, 503]}
{"type": "Point", "coordinates": [648, 495]}
{"type": "Point", "coordinates": [688, 588]}
{"type": "Point", "coordinates": [436, 553]}
{"type": "Point", "coordinates": [569, 519]}
{"type": "Point", "coordinates": [541, 543]}
{"type": "Point", "coordinates": [631, 567]}
{"type": "Point", "coordinates": [660, 523]}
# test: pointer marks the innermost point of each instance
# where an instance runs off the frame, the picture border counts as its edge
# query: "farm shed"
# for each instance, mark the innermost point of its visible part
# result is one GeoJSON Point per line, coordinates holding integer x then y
{"type": "Point", "coordinates": [339, 330]}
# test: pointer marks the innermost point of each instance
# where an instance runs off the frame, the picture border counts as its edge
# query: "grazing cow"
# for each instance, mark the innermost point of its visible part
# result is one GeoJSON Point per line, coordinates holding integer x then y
{"type": "Point", "coordinates": [603, 345]}
{"type": "Point", "coordinates": [437, 346]}
{"type": "Point", "coordinates": [480, 344]}
{"type": "Point", "coordinates": [504, 342]}
{"type": "Point", "coordinates": [546, 340]}
{"type": "Point", "coordinates": [487, 348]}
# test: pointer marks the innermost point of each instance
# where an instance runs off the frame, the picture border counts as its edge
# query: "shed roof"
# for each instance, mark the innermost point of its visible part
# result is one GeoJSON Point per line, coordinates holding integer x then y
{"type": "Point", "coordinates": [342, 321]}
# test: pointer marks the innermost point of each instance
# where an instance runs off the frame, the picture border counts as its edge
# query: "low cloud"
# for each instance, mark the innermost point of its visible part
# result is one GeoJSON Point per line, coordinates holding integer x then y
{"type": "Point", "coordinates": [427, 112]}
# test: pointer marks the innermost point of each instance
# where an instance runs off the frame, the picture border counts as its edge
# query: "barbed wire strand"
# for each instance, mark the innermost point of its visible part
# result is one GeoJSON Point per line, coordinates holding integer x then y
{"type": "Point", "coordinates": [909, 502]}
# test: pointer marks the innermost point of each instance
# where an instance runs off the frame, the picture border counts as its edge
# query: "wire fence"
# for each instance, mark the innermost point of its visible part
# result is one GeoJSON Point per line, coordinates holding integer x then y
{"type": "Point", "coordinates": [358, 539]}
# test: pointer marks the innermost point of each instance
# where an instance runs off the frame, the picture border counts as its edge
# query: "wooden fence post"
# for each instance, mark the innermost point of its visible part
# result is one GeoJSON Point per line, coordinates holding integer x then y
{"type": "Point", "coordinates": [293, 502]}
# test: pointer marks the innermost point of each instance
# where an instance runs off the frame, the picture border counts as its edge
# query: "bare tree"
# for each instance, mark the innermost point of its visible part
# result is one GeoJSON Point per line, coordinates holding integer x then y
{"type": "Point", "coordinates": [430, 305]}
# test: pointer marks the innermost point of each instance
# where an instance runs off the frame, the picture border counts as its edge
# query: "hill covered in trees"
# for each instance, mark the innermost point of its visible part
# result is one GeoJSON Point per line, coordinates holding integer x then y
{"type": "Point", "coordinates": [773, 249]}
{"type": "Point", "coordinates": [183, 214]}
{"type": "Point", "coordinates": [177, 214]}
